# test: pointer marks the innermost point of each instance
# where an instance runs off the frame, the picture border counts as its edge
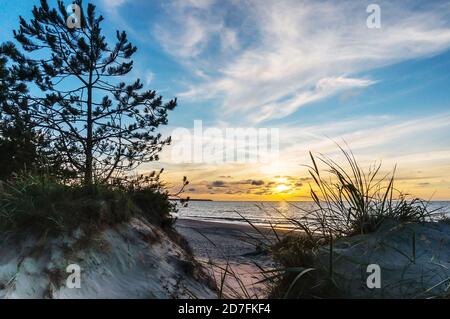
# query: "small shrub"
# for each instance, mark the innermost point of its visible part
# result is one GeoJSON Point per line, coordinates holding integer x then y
{"type": "Point", "coordinates": [294, 251]}
{"type": "Point", "coordinates": [298, 276]}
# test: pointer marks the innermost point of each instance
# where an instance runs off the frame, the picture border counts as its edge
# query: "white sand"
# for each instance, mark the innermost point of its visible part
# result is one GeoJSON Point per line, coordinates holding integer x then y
{"type": "Point", "coordinates": [131, 260]}
{"type": "Point", "coordinates": [405, 272]}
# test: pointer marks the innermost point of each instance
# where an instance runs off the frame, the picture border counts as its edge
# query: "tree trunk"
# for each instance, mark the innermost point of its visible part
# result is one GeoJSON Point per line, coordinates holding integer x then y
{"type": "Point", "coordinates": [89, 145]}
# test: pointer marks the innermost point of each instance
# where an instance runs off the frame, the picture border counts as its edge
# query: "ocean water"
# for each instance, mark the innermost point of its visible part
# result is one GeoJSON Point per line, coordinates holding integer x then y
{"type": "Point", "coordinates": [259, 213]}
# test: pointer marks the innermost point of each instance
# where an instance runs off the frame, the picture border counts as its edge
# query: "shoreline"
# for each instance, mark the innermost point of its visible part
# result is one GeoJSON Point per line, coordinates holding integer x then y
{"type": "Point", "coordinates": [235, 223]}
{"type": "Point", "coordinates": [235, 231]}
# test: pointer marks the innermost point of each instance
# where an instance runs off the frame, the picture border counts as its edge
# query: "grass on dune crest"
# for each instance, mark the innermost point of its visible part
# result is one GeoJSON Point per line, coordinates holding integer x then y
{"type": "Point", "coordinates": [44, 205]}
{"type": "Point", "coordinates": [351, 200]}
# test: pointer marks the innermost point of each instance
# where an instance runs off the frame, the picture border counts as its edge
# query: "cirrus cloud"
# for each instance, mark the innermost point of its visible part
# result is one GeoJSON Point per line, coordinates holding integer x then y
{"type": "Point", "coordinates": [282, 55]}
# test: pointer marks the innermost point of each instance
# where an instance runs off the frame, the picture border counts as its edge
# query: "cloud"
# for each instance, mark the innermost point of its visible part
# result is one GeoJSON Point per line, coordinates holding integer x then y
{"type": "Point", "coordinates": [218, 184]}
{"type": "Point", "coordinates": [285, 54]}
{"type": "Point", "coordinates": [203, 4]}
{"type": "Point", "coordinates": [251, 182]}
{"type": "Point", "coordinates": [324, 88]}
{"type": "Point", "coordinates": [194, 36]}
{"type": "Point", "coordinates": [149, 77]}
{"type": "Point", "coordinates": [113, 10]}
{"type": "Point", "coordinates": [113, 4]}
{"type": "Point", "coordinates": [425, 184]}
{"type": "Point", "coordinates": [193, 25]}
{"type": "Point", "coordinates": [377, 136]}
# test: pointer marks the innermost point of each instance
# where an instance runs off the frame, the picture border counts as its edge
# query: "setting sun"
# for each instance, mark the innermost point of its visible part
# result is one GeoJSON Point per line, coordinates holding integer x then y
{"type": "Point", "coordinates": [281, 188]}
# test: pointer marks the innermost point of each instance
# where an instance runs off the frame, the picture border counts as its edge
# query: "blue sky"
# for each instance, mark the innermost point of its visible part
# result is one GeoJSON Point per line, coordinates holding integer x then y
{"type": "Point", "coordinates": [313, 69]}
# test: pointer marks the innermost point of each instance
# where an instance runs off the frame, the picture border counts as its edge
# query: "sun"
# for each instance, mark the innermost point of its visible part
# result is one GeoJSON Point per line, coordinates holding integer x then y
{"type": "Point", "coordinates": [281, 188]}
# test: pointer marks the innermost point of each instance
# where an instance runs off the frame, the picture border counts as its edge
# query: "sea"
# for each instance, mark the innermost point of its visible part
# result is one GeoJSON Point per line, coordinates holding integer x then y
{"type": "Point", "coordinates": [259, 213]}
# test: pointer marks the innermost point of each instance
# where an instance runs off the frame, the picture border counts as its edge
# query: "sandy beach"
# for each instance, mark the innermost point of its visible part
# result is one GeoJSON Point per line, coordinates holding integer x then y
{"type": "Point", "coordinates": [235, 244]}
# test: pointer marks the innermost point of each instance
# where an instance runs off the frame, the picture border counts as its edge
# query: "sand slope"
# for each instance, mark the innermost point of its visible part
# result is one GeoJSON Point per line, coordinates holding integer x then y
{"type": "Point", "coordinates": [130, 260]}
{"type": "Point", "coordinates": [414, 261]}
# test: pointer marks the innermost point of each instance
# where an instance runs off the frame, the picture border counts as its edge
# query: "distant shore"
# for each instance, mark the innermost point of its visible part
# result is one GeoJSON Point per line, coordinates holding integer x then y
{"type": "Point", "coordinates": [193, 199]}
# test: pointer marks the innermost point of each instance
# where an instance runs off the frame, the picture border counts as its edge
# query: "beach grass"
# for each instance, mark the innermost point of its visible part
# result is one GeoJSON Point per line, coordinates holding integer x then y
{"type": "Point", "coordinates": [349, 200]}
{"type": "Point", "coordinates": [42, 204]}
{"type": "Point", "coordinates": [352, 200]}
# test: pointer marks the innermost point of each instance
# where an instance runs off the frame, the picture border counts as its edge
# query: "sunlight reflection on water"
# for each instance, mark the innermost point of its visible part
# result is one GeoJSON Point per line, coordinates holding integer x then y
{"type": "Point", "coordinates": [259, 213]}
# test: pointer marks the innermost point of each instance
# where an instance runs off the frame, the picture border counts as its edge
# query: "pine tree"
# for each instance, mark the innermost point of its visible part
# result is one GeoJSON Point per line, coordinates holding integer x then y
{"type": "Point", "coordinates": [101, 125]}
{"type": "Point", "coordinates": [22, 147]}
{"type": "Point", "coordinates": [17, 147]}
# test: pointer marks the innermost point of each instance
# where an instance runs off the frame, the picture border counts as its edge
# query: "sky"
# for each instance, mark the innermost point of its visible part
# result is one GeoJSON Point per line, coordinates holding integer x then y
{"type": "Point", "coordinates": [312, 71]}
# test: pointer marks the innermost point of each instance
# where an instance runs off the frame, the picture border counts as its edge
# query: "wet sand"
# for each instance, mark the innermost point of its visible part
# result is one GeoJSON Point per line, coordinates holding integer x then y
{"type": "Point", "coordinates": [218, 244]}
